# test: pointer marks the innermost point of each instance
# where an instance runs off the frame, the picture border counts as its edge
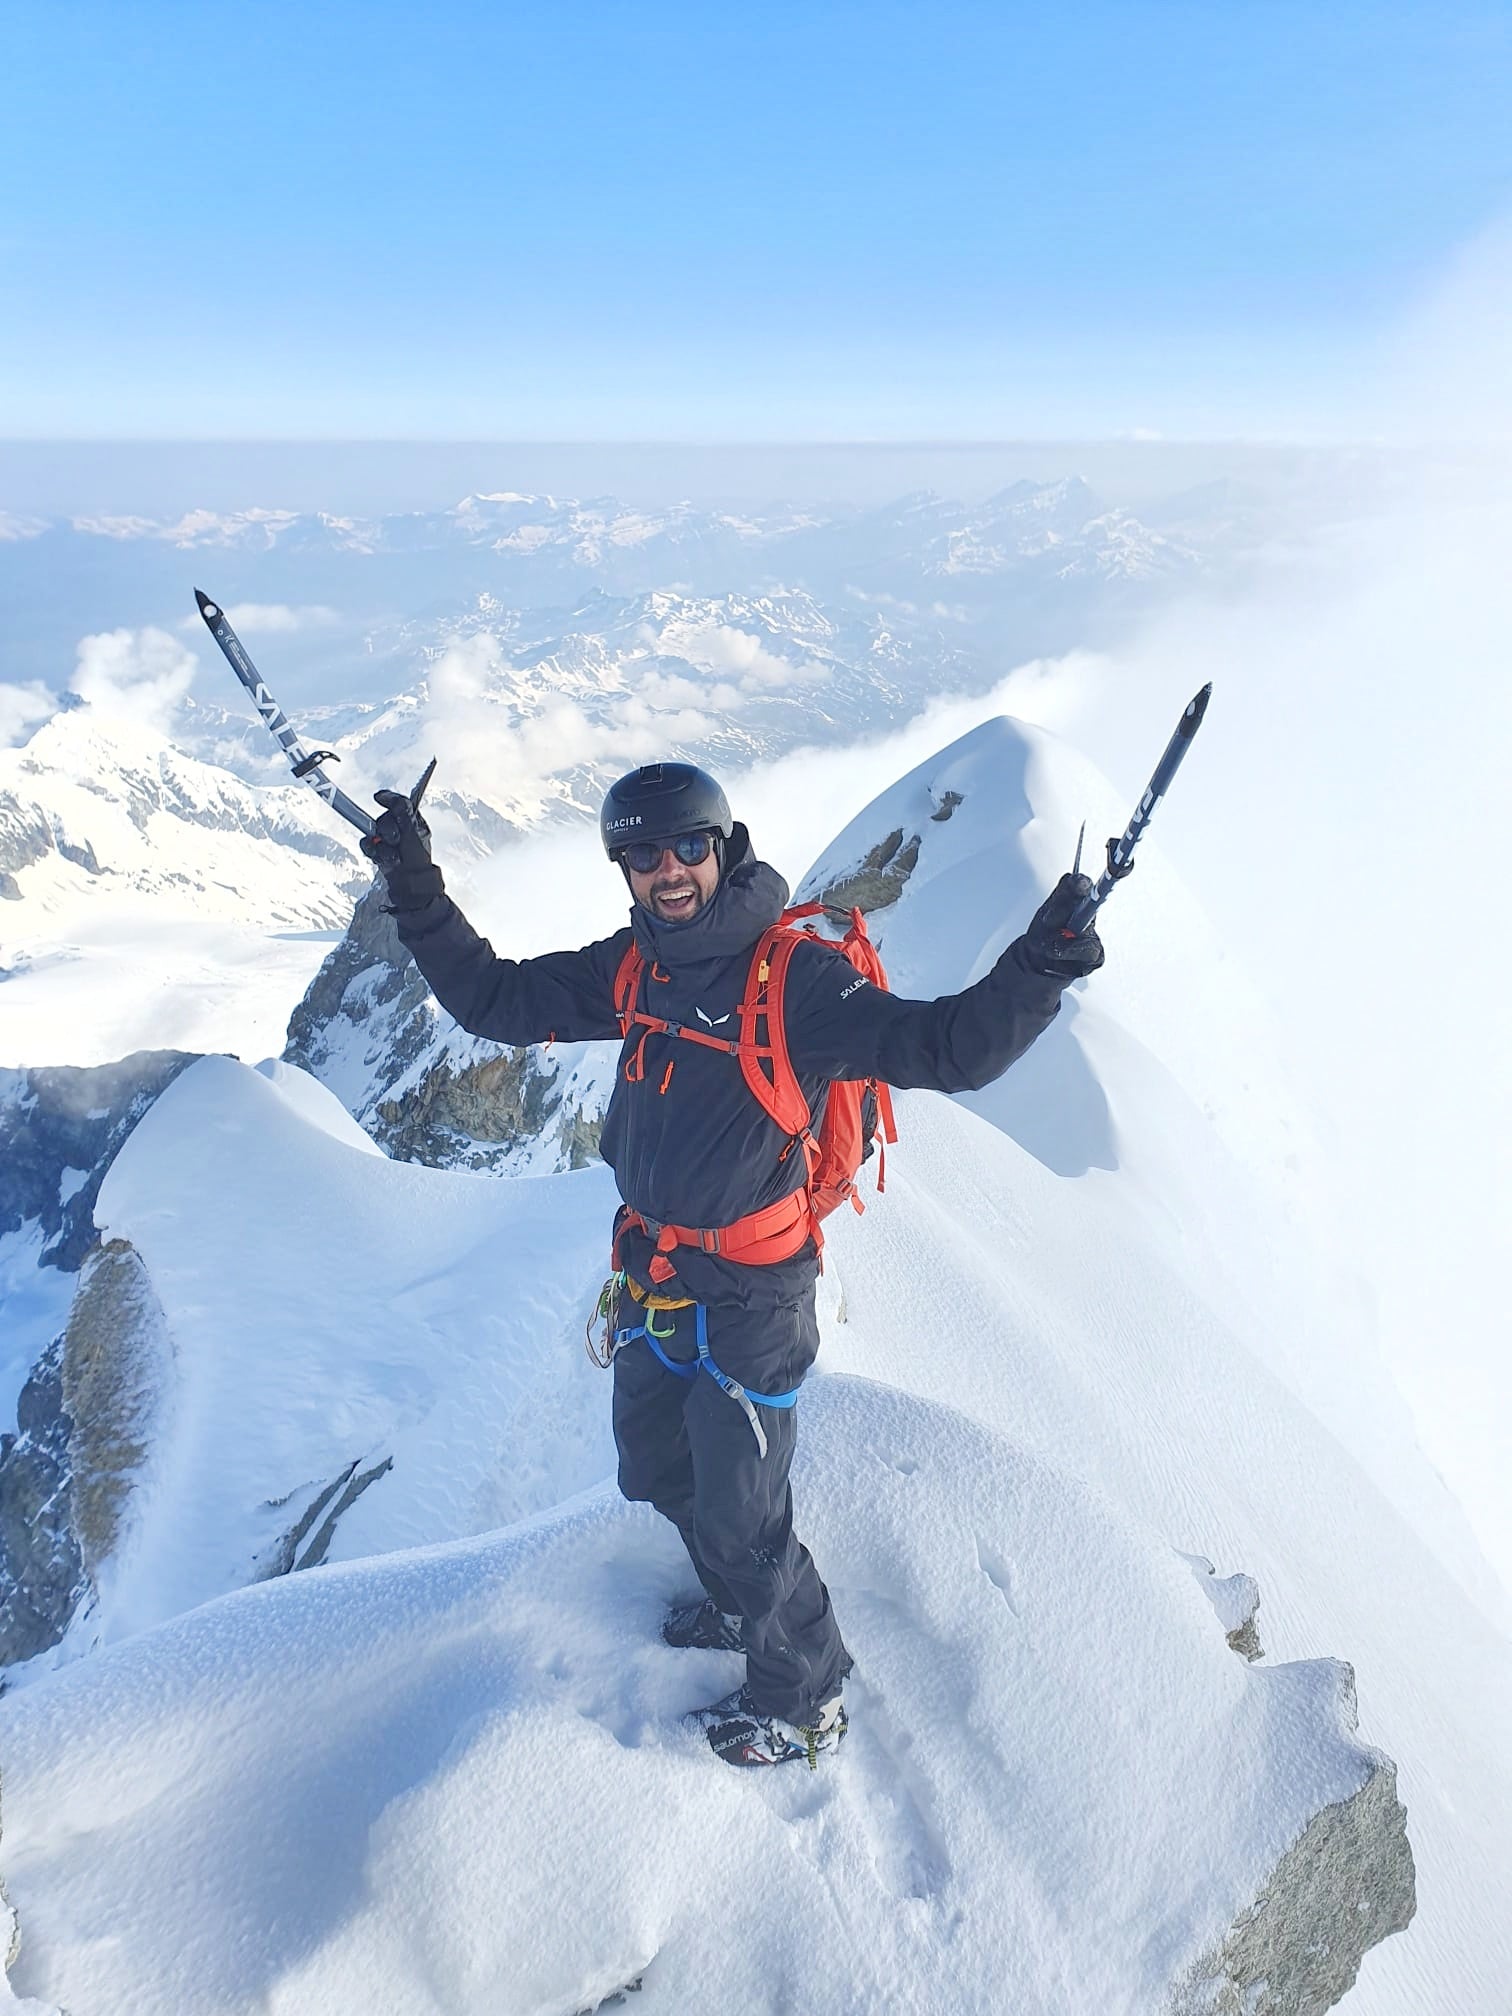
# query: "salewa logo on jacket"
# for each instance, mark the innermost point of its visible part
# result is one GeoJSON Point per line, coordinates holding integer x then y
{"type": "Point", "coordinates": [710, 1021]}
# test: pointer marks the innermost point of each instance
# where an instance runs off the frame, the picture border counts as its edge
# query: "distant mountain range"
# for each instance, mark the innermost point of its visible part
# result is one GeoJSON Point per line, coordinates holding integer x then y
{"type": "Point", "coordinates": [534, 537]}
{"type": "Point", "coordinates": [1036, 568]}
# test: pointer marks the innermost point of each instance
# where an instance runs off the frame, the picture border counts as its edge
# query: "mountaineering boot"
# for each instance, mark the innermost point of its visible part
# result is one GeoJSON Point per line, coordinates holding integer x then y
{"type": "Point", "coordinates": [740, 1734]}
{"type": "Point", "coordinates": [702, 1627]}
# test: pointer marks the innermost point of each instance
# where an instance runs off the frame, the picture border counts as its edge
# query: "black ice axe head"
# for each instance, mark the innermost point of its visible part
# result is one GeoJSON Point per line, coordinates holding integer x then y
{"type": "Point", "coordinates": [1121, 850]}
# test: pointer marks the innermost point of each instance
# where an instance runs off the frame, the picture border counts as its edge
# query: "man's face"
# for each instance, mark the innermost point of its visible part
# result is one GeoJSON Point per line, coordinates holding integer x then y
{"type": "Point", "coordinates": [673, 891]}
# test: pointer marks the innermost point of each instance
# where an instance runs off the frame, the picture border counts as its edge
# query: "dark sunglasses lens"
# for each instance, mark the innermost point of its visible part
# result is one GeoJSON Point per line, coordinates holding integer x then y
{"type": "Point", "coordinates": [690, 848]}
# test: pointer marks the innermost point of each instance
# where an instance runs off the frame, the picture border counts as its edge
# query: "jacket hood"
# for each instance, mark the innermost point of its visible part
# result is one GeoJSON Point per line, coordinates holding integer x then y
{"type": "Point", "coordinates": [751, 895]}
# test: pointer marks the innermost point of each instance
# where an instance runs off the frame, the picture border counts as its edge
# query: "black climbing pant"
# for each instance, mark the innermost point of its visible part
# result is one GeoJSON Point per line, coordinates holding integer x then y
{"type": "Point", "coordinates": [690, 1449]}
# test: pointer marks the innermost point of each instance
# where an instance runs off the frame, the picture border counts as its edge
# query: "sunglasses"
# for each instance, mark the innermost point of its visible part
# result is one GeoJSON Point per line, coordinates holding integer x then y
{"type": "Point", "coordinates": [690, 848]}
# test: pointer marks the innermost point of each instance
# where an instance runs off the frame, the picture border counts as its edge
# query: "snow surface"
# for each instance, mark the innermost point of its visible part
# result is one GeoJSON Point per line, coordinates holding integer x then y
{"type": "Point", "coordinates": [454, 1780]}
{"type": "Point", "coordinates": [1093, 1329]}
{"type": "Point", "coordinates": [150, 983]}
{"type": "Point", "coordinates": [1044, 1392]}
{"type": "Point", "coordinates": [467, 1755]}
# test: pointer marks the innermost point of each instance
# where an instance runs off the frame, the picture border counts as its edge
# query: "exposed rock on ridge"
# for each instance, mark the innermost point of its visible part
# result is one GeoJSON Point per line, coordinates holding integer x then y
{"type": "Point", "coordinates": [879, 878]}
{"type": "Point", "coordinates": [42, 1577]}
{"type": "Point", "coordinates": [1347, 1882]}
{"type": "Point", "coordinates": [116, 1359]}
{"type": "Point", "coordinates": [85, 1421]}
{"type": "Point", "coordinates": [308, 1540]}
{"type": "Point", "coordinates": [426, 1091]}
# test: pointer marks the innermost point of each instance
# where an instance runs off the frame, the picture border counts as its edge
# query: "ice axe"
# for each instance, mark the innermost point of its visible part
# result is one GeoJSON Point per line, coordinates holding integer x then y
{"type": "Point", "coordinates": [307, 764]}
{"type": "Point", "coordinates": [1121, 850]}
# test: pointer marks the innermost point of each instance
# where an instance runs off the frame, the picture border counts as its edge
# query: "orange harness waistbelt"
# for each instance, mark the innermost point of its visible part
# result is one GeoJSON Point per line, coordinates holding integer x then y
{"type": "Point", "coordinates": [760, 1239]}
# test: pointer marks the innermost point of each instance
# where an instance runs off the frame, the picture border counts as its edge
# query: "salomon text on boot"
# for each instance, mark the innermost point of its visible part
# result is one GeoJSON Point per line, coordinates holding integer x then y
{"type": "Point", "coordinates": [740, 1733]}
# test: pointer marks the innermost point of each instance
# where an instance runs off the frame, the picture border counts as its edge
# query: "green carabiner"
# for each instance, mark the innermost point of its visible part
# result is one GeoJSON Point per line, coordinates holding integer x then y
{"type": "Point", "coordinates": [651, 1329]}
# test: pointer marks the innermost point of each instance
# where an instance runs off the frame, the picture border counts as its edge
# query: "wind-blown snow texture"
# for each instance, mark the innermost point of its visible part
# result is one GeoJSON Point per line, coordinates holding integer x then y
{"type": "Point", "coordinates": [452, 1778]}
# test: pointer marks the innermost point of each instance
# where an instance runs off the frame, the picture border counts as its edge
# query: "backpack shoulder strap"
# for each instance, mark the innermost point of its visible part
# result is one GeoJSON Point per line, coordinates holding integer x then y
{"type": "Point", "coordinates": [764, 1059]}
{"type": "Point", "coordinates": [627, 983]}
{"type": "Point", "coordinates": [859, 948]}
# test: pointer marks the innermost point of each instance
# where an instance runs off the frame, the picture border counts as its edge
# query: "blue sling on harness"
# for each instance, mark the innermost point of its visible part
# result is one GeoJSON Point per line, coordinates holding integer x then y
{"type": "Point", "coordinates": [688, 1368]}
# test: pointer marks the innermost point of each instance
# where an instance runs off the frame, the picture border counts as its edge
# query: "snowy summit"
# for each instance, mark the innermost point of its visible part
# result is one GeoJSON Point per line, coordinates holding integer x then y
{"type": "Point", "coordinates": [1067, 1434]}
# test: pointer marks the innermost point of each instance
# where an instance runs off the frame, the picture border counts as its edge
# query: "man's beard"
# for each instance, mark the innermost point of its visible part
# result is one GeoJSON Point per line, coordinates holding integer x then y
{"type": "Point", "coordinates": [682, 912]}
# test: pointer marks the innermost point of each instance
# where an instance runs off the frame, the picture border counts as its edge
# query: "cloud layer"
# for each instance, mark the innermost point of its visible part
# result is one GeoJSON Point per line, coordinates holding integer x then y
{"type": "Point", "coordinates": [143, 673]}
{"type": "Point", "coordinates": [21, 708]}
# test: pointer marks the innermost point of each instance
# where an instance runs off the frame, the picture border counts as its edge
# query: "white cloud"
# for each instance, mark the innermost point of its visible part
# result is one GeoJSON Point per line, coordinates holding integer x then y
{"type": "Point", "coordinates": [117, 528]}
{"type": "Point", "coordinates": [144, 673]}
{"type": "Point", "coordinates": [251, 617]}
{"type": "Point", "coordinates": [22, 707]}
{"type": "Point", "coordinates": [504, 747]}
{"type": "Point", "coordinates": [719, 647]}
{"type": "Point", "coordinates": [1343, 816]}
{"type": "Point", "coordinates": [675, 689]}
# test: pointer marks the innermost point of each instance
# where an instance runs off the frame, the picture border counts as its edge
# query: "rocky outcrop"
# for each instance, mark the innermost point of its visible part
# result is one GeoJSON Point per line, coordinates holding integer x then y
{"type": "Point", "coordinates": [307, 1542]}
{"type": "Point", "coordinates": [25, 839]}
{"type": "Point", "coordinates": [61, 1127]}
{"type": "Point", "coordinates": [882, 874]}
{"type": "Point", "coordinates": [880, 878]}
{"type": "Point", "coordinates": [42, 1575]}
{"type": "Point", "coordinates": [117, 1357]}
{"type": "Point", "coordinates": [84, 1425]}
{"type": "Point", "coordinates": [1347, 1881]}
{"type": "Point", "coordinates": [427, 1092]}
{"type": "Point", "coordinates": [81, 1419]}
{"type": "Point", "coordinates": [1236, 1601]}
{"type": "Point", "coordinates": [473, 1116]}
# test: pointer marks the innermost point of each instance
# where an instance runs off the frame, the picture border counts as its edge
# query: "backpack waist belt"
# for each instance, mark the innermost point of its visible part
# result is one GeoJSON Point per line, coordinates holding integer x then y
{"type": "Point", "coordinates": [760, 1239]}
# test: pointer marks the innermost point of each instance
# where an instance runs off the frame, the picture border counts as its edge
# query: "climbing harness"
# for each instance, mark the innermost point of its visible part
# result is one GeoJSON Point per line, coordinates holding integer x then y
{"type": "Point", "coordinates": [657, 1337]}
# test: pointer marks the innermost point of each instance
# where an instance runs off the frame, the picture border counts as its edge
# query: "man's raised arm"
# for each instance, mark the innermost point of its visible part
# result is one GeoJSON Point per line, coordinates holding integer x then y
{"type": "Point", "coordinates": [839, 1026]}
{"type": "Point", "coordinates": [565, 995]}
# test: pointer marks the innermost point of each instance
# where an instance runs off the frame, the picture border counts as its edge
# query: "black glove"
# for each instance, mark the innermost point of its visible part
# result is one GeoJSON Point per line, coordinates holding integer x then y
{"type": "Point", "coordinates": [1048, 948]}
{"type": "Point", "coordinates": [400, 844]}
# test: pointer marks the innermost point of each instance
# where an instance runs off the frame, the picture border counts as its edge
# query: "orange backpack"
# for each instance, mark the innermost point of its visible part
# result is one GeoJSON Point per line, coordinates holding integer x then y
{"type": "Point", "coordinates": [856, 1111]}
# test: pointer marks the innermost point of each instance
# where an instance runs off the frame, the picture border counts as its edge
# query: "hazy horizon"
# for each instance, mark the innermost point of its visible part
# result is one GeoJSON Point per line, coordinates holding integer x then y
{"type": "Point", "coordinates": [61, 478]}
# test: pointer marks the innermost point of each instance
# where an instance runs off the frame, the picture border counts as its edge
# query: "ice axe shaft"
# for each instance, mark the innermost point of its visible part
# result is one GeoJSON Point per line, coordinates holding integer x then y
{"type": "Point", "coordinates": [1121, 850]}
{"type": "Point", "coordinates": [308, 765]}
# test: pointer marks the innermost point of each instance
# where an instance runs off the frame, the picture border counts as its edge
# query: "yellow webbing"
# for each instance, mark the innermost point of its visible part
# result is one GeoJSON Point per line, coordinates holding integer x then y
{"type": "Point", "coordinates": [657, 1301]}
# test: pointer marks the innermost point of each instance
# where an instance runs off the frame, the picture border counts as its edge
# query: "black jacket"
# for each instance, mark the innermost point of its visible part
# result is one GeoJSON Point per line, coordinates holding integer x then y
{"type": "Point", "coordinates": [695, 1148]}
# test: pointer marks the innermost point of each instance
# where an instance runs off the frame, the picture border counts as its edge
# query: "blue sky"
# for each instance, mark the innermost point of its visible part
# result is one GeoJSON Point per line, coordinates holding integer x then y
{"type": "Point", "coordinates": [585, 221]}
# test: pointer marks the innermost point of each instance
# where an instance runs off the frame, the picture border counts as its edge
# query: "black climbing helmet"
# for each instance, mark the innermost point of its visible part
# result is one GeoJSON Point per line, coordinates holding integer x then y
{"type": "Point", "coordinates": [661, 800]}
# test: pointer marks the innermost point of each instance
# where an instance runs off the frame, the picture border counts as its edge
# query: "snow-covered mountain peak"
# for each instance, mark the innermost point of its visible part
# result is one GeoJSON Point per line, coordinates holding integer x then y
{"type": "Point", "coordinates": [1071, 497]}
{"type": "Point", "coordinates": [100, 796]}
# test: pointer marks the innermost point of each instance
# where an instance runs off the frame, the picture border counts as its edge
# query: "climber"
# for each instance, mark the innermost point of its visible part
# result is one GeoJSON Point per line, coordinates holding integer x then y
{"type": "Point", "coordinates": [716, 1245]}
